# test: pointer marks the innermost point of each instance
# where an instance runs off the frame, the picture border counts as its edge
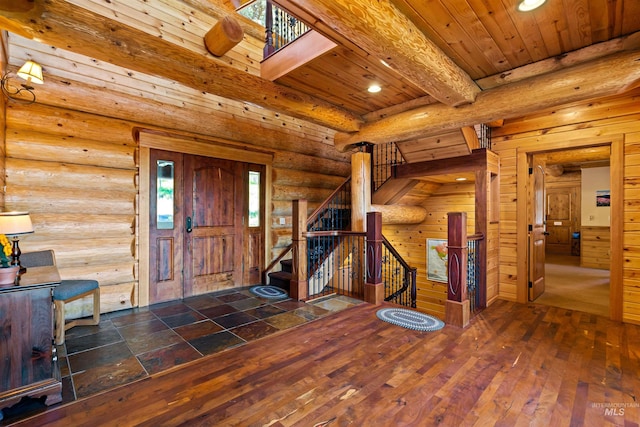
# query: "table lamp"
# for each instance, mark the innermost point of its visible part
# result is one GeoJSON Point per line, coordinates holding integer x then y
{"type": "Point", "coordinates": [14, 224]}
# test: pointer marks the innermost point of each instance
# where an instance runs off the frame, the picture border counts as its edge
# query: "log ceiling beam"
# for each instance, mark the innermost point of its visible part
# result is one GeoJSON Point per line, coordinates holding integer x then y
{"type": "Point", "coordinates": [219, 10]}
{"type": "Point", "coordinates": [453, 165]}
{"type": "Point", "coordinates": [386, 34]}
{"type": "Point", "coordinates": [65, 26]}
{"type": "Point", "coordinates": [604, 76]}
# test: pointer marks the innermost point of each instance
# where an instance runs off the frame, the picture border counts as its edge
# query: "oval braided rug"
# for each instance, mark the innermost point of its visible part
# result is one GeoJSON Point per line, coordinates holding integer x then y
{"type": "Point", "coordinates": [410, 319]}
{"type": "Point", "coordinates": [268, 291]}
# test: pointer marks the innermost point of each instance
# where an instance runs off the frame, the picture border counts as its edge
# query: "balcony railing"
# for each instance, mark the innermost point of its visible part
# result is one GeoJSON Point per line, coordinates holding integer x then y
{"type": "Point", "coordinates": [281, 28]}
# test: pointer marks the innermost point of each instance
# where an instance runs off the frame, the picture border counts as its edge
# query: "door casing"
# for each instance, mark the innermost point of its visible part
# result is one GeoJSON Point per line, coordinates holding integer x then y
{"type": "Point", "coordinates": [616, 142]}
{"type": "Point", "coordinates": [213, 147]}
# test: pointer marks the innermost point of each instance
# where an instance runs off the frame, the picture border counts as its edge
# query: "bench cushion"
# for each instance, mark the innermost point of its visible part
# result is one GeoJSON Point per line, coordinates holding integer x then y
{"type": "Point", "coordinates": [72, 288]}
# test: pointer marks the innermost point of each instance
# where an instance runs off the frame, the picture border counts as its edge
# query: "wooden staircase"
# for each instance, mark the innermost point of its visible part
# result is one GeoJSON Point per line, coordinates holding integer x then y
{"type": "Point", "coordinates": [282, 279]}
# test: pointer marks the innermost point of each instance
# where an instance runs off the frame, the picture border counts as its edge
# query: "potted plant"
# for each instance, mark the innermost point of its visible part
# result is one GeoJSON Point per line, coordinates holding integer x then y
{"type": "Point", "coordinates": [8, 272]}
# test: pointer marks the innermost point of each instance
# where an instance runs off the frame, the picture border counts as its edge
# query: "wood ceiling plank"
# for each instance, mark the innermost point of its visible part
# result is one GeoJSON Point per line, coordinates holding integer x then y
{"type": "Point", "coordinates": [383, 31]}
{"type": "Point", "coordinates": [493, 17]}
{"type": "Point", "coordinates": [552, 28]}
{"type": "Point", "coordinates": [457, 26]}
{"type": "Point", "coordinates": [578, 23]}
{"type": "Point", "coordinates": [527, 27]}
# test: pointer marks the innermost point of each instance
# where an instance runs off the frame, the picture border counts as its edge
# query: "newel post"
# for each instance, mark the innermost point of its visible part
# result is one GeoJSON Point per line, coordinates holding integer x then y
{"type": "Point", "coordinates": [457, 310]}
{"type": "Point", "coordinates": [374, 286]}
{"type": "Point", "coordinates": [299, 288]}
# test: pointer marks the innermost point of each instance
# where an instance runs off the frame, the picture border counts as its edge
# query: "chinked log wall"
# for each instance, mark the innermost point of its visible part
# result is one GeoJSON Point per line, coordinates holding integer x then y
{"type": "Point", "coordinates": [76, 173]}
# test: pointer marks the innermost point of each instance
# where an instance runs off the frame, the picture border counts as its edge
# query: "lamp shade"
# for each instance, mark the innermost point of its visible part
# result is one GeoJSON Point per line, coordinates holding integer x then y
{"type": "Point", "coordinates": [14, 223]}
{"type": "Point", "coordinates": [31, 72]}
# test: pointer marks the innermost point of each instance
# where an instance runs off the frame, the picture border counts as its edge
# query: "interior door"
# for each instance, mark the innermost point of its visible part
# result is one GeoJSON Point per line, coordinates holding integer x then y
{"type": "Point", "coordinates": [165, 226]}
{"type": "Point", "coordinates": [214, 207]}
{"type": "Point", "coordinates": [537, 231]}
{"type": "Point", "coordinates": [561, 203]}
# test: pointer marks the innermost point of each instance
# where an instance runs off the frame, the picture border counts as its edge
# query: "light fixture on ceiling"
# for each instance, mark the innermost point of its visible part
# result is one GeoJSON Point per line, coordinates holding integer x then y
{"type": "Point", "coordinates": [461, 178]}
{"type": "Point", "coordinates": [31, 72]}
{"type": "Point", "coordinates": [528, 5]}
{"type": "Point", "coordinates": [374, 88]}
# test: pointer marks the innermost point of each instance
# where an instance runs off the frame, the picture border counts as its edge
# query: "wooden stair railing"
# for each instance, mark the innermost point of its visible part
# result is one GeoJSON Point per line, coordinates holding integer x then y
{"type": "Point", "coordinates": [322, 219]}
{"type": "Point", "coordinates": [398, 276]}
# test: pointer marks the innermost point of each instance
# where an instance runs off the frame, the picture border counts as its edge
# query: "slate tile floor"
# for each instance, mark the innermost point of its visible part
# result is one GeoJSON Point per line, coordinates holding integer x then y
{"type": "Point", "coordinates": [135, 343]}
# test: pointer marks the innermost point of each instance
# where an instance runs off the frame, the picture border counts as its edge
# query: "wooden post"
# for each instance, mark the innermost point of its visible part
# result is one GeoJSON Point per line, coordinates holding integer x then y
{"type": "Point", "coordinates": [457, 307]}
{"type": "Point", "coordinates": [223, 37]}
{"type": "Point", "coordinates": [299, 288]}
{"type": "Point", "coordinates": [360, 190]}
{"type": "Point", "coordinates": [374, 287]}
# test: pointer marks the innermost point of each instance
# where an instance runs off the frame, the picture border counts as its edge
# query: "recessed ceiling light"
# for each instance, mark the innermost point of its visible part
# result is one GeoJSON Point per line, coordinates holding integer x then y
{"type": "Point", "coordinates": [527, 5]}
{"type": "Point", "coordinates": [374, 89]}
{"type": "Point", "coordinates": [461, 179]}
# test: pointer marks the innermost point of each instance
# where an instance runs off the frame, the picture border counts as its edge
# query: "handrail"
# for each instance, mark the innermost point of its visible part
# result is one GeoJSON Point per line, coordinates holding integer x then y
{"type": "Point", "coordinates": [409, 277]}
{"type": "Point", "coordinates": [310, 221]}
{"type": "Point", "coordinates": [333, 233]}
{"type": "Point", "coordinates": [327, 201]}
{"type": "Point", "coordinates": [273, 263]}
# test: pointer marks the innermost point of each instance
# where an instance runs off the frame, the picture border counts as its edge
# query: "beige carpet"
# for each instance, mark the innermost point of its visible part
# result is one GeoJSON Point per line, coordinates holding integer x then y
{"type": "Point", "coordinates": [567, 285]}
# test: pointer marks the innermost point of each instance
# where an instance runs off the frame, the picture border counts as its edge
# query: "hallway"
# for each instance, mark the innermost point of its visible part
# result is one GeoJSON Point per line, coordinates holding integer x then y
{"type": "Point", "coordinates": [567, 285]}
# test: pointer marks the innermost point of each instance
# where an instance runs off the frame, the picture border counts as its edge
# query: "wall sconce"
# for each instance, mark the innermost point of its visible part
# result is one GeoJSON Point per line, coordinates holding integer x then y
{"type": "Point", "coordinates": [32, 73]}
{"type": "Point", "coordinates": [15, 224]}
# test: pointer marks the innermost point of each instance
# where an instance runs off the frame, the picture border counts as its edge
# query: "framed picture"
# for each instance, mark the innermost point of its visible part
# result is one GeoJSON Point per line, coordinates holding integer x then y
{"type": "Point", "coordinates": [603, 198]}
{"type": "Point", "coordinates": [437, 260]}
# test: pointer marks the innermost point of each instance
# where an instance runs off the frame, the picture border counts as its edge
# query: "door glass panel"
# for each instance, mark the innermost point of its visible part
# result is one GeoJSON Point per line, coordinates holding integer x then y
{"type": "Point", "coordinates": [254, 199]}
{"type": "Point", "coordinates": [165, 195]}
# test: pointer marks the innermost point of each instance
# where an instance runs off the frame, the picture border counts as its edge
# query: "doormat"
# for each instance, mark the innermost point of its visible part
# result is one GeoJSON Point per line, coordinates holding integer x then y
{"type": "Point", "coordinates": [410, 319]}
{"type": "Point", "coordinates": [267, 291]}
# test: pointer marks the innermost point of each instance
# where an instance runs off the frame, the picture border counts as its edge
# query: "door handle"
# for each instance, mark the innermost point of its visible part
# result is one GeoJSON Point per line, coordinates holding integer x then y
{"type": "Point", "coordinates": [189, 225]}
{"type": "Point", "coordinates": [546, 233]}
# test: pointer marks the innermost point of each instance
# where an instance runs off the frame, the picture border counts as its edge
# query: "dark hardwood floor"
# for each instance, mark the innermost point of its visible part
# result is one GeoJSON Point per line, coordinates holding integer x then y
{"type": "Point", "coordinates": [514, 365]}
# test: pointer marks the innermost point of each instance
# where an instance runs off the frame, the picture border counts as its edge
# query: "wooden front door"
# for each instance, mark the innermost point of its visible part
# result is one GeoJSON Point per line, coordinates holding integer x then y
{"type": "Point", "coordinates": [537, 231]}
{"type": "Point", "coordinates": [208, 245]}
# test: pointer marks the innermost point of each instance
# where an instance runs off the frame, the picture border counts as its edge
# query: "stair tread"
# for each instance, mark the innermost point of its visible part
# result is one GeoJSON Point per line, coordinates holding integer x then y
{"type": "Point", "coordinates": [280, 275]}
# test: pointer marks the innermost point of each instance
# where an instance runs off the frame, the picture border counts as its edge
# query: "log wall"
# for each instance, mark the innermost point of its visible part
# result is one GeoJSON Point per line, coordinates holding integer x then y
{"type": "Point", "coordinates": [411, 240]}
{"type": "Point", "coordinates": [611, 119]}
{"type": "Point", "coordinates": [72, 162]}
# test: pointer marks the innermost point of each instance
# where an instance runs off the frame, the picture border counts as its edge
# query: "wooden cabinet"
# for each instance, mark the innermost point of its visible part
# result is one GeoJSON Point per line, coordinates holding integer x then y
{"type": "Point", "coordinates": [28, 363]}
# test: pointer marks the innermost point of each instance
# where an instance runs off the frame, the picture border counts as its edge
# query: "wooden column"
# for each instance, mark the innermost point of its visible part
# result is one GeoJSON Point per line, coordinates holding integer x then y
{"type": "Point", "coordinates": [374, 287]}
{"type": "Point", "coordinates": [299, 288]}
{"type": "Point", "coordinates": [457, 307]}
{"type": "Point", "coordinates": [360, 190]}
{"type": "Point", "coordinates": [223, 37]}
